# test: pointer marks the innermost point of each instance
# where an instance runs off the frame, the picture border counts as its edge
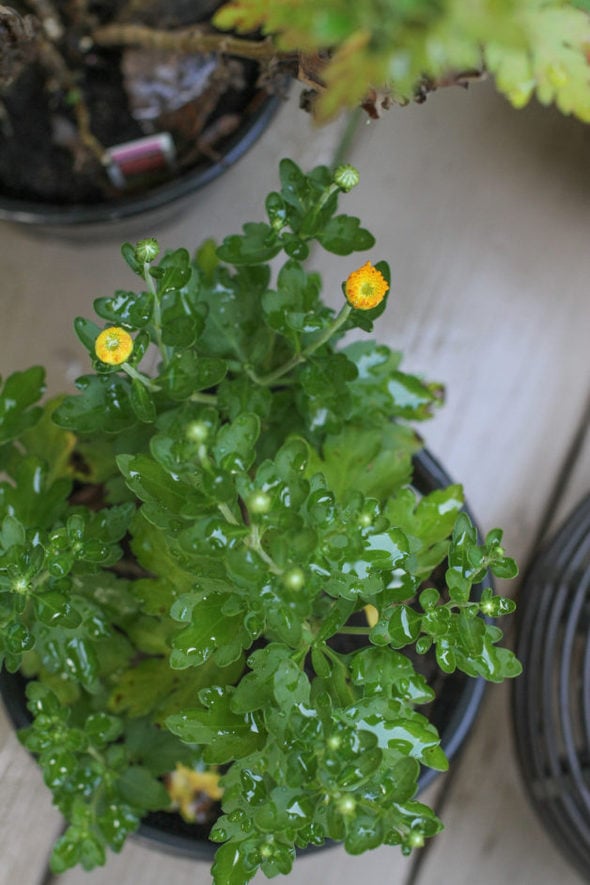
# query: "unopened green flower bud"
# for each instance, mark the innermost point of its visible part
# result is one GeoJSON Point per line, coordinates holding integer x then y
{"type": "Point", "coordinates": [147, 250]}
{"type": "Point", "coordinates": [416, 839]}
{"type": "Point", "coordinates": [294, 579]}
{"type": "Point", "coordinates": [346, 177]}
{"type": "Point", "coordinates": [346, 805]}
{"type": "Point", "coordinates": [197, 431]}
{"type": "Point", "coordinates": [259, 502]}
{"type": "Point", "coordinates": [20, 585]}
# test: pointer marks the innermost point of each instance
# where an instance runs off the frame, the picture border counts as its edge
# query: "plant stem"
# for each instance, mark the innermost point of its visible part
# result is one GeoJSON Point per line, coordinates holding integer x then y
{"type": "Point", "coordinates": [157, 312]}
{"type": "Point", "coordinates": [227, 514]}
{"type": "Point", "coordinates": [254, 542]}
{"type": "Point", "coordinates": [195, 39]}
{"type": "Point", "coordinates": [346, 139]}
{"type": "Point", "coordinates": [139, 376]}
{"type": "Point", "coordinates": [355, 631]}
{"type": "Point", "coordinates": [296, 359]}
{"type": "Point", "coordinates": [209, 398]}
{"type": "Point", "coordinates": [332, 189]}
{"type": "Point", "coordinates": [341, 684]}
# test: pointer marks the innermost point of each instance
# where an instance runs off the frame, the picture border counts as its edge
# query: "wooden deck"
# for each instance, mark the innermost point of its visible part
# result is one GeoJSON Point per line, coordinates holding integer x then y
{"type": "Point", "coordinates": [483, 213]}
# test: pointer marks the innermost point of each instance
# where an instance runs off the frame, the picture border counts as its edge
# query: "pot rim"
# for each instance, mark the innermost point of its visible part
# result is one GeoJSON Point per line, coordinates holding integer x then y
{"type": "Point", "coordinates": [31, 212]}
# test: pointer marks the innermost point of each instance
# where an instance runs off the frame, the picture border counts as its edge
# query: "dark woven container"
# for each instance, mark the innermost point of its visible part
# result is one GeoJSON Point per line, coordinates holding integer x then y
{"type": "Point", "coordinates": [551, 700]}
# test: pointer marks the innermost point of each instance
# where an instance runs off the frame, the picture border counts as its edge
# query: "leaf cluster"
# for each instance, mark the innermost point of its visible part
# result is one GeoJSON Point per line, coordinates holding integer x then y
{"type": "Point", "coordinates": [220, 560]}
{"type": "Point", "coordinates": [532, 47]}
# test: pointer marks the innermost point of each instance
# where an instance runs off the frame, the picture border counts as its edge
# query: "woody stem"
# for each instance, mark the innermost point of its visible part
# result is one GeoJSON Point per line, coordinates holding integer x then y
{"type": "Point", "coordinates": [195, 39]}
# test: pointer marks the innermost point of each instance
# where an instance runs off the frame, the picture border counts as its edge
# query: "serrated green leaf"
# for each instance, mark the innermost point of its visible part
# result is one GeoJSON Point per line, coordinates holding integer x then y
{"type": "Point", "coordinates": [53, 608]}
{"type": "Point", "coordinates": [258, 243]}
{"type": "Point", "coordinates": [381, 670]}
{"type": "Point", "coordinates": [116, 822]}
{"type": "Point", "coordinates": [182, 322]}
{"type": "Point", "coordinates": [343, 235]}
{"type": "Point", "coordinates": [375, 461]}
{"type": "Point", "coordinates": [87, 332]}
{"type": "Point", "coordinates": [126, 308]}
{"type": "Point", "coordinates": [142, 402]}
{"type": "Point", "coordinates": [48, 442]}
{"type": "Point", "coordinates": [12, 533]}
{"type": "Point", "coordinates": [414, 737]}
{"type": "Point", "coordinates": [187, 373]}
{"type": "Point", "coordinates": [237, 441]}
{"type": "Point", "coordinates": [128, 253]}
{"type": "Point", "coordinates": [404, 626]}
{"type": "Point", "coordinates": [227, 735]}
{"type": "Point", "coordinates": [206, 259]}
{"type": "Point", "coordinates": [551, 60]}
{"type": "Point", "coordinates": [102, 729]}
{"type": "Point", "coordinates": [504, 568]}
{"type": "Point", "coordinates": [31, 497]}
{"type": "Point", "coordinates": [242, 395]}
{"type": "Point", "coordinates": [173, 271]}
{"type": "Point", "coordinates": [232, 866]}
{"type": "Point", "coordinates": [141, 789]}
{"type": "Point", "coordinates": [167, 499]}
{"type": "Point", "coordinates": [19, 394]}
{"type": "Point", "coordinates": [291, 685]}
{"type": "Point", "coordinates": [364, 831]}
{"type": "Point", "coordinates": [293, 183]}
{"type": "Point", "coordinates": [413, 398]}
{"type": "Point", "coordinates": [103, 405]}
{"type": "Point", "coordinates": [211, 632]}
{"type": "Point", "coordinates": [294, 309]}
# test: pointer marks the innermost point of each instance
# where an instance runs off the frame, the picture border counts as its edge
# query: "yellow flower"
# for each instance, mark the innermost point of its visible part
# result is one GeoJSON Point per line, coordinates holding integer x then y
{"type": "Point", "coordinates": [113, 346]}
{"type": "Point", "coordinates": [372, 615]}
{"type": "Point", "coordinates": [189, 790]}
{"type": "Point", "coordinates": [366, 287]}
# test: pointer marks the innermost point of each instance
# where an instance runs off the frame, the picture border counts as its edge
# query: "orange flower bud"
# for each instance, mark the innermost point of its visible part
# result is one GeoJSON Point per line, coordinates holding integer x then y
{"type": "Point", "coordinates": [113, 346]}
{"type": "Point", "coordinates": [366, 287]}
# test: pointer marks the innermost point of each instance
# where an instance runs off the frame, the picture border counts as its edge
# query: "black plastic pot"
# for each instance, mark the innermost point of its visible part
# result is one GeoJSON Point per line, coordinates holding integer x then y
{"type": "Point", "coordinates": [458, 698]}
{"type": "Point", "coordinates": [149, 209]}
{"type": "Point", "coordinates": [551, 700]}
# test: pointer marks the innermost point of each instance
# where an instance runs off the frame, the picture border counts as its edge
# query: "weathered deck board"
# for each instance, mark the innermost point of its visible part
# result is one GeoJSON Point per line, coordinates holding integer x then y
{"type": "Point", "coordinates": [578, 477]}
{"type": "Point", "coordinates": [491, 827]}
{"type": "Point", "coordinates": [521, 349]}
{"type": "Point", "coordinates": [25, 812]}
{"type": "Point", "coordinates": [482, 213]}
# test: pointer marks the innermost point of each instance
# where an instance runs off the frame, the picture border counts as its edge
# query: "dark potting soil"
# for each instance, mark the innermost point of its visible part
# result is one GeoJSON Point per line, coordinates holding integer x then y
{"type": "Point", "coordinates": [41, 155]}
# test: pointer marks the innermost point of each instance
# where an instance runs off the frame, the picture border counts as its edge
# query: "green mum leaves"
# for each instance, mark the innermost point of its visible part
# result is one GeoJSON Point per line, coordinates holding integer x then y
{"type": "Point", "coordinates": [213, 554]}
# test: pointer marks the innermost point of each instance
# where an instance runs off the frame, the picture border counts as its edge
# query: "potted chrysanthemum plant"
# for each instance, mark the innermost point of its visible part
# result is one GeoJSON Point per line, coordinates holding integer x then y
{"type": "Point", "coordinates": [230, 580]}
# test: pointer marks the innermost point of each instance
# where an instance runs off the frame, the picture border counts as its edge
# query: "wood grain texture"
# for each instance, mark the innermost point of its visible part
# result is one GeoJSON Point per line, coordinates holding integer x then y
{"type": "Point", "coordinates": [577, 481]}
{"type": "Point", "coordinates": [482, 212]}
{"type": "Point", "coordinates": [28, 822]}
{"type": "Point", "coordinates": [491, 298]}
{"type": "Point", "coordinates": [492, 835]}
